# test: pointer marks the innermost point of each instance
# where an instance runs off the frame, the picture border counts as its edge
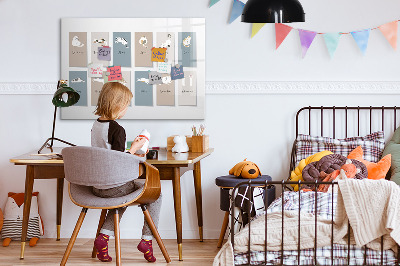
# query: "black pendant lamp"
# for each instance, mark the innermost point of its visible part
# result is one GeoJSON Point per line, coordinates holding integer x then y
{"type": "Point", "coordinates": [273, 11]}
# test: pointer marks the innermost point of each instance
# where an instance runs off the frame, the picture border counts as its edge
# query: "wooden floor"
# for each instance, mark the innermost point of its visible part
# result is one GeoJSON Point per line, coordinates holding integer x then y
{"type": "Point", "coordinates": [50, 252]}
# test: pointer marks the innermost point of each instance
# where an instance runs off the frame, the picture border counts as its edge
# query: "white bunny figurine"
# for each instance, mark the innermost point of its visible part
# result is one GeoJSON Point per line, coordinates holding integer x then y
{"type": "Point", "coordinates": [180, 144]}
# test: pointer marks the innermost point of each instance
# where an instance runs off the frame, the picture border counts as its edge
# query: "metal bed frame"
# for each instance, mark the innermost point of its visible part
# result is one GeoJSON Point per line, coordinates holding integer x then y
{"type": "Point", "coordinates": [284, 183]}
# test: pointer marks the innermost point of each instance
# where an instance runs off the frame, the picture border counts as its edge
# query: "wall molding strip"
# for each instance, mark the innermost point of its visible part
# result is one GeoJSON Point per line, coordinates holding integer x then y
{"type": "Point", "coordinates": [251, 87]}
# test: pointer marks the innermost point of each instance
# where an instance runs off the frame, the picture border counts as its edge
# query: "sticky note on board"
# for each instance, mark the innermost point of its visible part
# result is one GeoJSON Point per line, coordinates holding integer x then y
{"type": "Point", "coordinates": [104, 53]}
{"type": "Point", "coordinates": [164, 67]}
{"type": "Point", "coordinates": [95, 70]}
{"type": "Point", "coordinates": [115, 73]}
{"type": "Point", "coordinates": [158, 54]}
{"type": "Point", "coordinates": [155, 78]}
{"type": "Point", "coordinates": [177, 72]}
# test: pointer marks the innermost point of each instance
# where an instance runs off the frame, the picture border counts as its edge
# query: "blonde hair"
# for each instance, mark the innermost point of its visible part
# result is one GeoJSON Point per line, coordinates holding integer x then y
{"type": "Point", "coordinates": [113, 97]}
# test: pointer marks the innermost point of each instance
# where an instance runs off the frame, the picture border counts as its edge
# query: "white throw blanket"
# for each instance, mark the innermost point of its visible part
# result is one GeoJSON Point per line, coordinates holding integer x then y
{"type": "Point", "coordinates": [373, 208]}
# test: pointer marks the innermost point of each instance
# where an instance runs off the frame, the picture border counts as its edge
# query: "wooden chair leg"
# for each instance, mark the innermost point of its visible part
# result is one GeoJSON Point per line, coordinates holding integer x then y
{"type": "Point", "coordinates": [73, 237]}
{"type": "Point", "coordinates": [117, 238]}
{"type": "Point", "coordinates": [154, 230]}
{"type": "Point", "coordinates": [223, 229]}
{"type": "Point", "coordinates": [101, 222]}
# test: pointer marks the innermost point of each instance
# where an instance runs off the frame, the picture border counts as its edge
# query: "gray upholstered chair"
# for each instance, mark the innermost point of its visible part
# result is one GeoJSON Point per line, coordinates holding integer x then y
{"type": "Point", "coordinates": [85, 167]}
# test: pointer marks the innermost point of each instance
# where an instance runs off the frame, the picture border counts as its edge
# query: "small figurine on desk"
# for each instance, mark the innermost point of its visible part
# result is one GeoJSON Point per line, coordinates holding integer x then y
{"type": "Point", "coordinates": [180, 144]}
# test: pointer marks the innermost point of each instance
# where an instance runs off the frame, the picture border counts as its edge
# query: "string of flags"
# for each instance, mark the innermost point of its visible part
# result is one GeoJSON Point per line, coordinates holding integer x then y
{"type": "Point", "coordinates": [361, 37]}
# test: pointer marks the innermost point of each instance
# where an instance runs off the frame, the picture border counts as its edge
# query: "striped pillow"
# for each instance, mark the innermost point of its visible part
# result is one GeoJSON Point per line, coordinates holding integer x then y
{"type": "Point", "coordinates": [372, 145]}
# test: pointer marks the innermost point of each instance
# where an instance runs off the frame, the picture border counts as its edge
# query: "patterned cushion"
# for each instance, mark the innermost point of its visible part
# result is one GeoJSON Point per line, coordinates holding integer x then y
{"type": "Point", "coordinates": [372, 144]}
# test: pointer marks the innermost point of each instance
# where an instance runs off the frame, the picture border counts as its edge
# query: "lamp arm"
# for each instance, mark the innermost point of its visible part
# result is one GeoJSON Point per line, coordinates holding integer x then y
{"type": "Point", "coordinates": [54, 126]}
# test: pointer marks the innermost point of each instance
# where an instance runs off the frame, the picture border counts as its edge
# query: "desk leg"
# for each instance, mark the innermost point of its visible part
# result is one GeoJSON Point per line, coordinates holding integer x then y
{"type": "Point", "coordinates": [27, 206]}
{"type": "Point", "coordinates": [60, 190]}
{"type": "Point", "coordinates": [199, 204]}
{"type": "Point", "coordinates": [176, 182]}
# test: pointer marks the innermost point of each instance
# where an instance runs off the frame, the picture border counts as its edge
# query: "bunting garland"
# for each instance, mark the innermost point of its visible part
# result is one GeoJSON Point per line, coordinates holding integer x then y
{"type": "Point", "coordinates": [306, 39]}
{"type": "Point", "coordinates": [237, 9]}
{"type": "Point", "coordinates": [213, 2]}
{"type": "Point", "coordinates": [361, 37]}
{"type": "Point", "coordinates": [332, 41]}
{"type": "Point", "coordinates": [256, 27]}
{"type": "Point", "coordinates": [389, 30]}
{"type": "Point", "coordinates": [281, 31]}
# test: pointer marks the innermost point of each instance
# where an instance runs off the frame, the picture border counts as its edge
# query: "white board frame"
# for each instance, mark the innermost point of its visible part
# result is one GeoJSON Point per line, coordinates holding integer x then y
{"type": "Point", "coordinates": [133, 25]}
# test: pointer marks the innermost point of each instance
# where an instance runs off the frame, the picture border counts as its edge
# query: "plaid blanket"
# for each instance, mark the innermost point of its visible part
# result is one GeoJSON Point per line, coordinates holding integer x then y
{"type": "Point", "coordinates": [323, 205]}
{"type": "Point", "coordinates": [340, 254]}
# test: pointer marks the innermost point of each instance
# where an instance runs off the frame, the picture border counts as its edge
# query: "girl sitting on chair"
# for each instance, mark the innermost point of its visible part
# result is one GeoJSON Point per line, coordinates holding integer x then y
{"type": "Point", "coordinates": [113, 103]}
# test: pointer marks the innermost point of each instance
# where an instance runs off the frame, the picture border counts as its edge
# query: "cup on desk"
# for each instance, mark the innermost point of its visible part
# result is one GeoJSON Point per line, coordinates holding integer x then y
{"type": "Point", "coordinates": [152, 155]}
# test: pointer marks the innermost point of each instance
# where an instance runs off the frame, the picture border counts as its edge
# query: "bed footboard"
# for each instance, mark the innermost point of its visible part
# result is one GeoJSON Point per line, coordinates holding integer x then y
{"type": "Point", "coordinates": [383, 258]}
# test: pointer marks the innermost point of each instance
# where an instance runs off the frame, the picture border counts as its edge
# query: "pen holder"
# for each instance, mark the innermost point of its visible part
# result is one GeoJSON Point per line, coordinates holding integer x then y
{"type": "Point", "coordinates": [200, 143]}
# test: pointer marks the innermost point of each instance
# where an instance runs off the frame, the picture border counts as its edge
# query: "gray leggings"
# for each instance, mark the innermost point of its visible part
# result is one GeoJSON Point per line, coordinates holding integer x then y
{"type": "Point", "coordinates": [154, 208]}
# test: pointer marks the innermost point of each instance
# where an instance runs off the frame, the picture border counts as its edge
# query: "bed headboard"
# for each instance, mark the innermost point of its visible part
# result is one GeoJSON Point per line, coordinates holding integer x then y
{"type": "Point", "coordinates": [344, 121]}
{"type": "Point", "coordinates": [346, 115]}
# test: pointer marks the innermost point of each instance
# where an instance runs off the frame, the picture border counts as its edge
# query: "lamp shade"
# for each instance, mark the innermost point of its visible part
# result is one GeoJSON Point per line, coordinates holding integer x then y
{"type": "Point", "coordinates": [273, 11]}
{"type": "Point", "coordinates": [65, 96]}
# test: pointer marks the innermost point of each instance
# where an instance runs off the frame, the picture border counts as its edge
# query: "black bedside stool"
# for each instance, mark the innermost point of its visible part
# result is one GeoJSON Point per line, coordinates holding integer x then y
{"type": "Point", "coordinates": [226, 183]}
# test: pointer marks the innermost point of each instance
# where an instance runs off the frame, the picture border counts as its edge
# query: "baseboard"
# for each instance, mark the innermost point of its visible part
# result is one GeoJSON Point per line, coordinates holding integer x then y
{"type": "Point", "coordinates": [250, 87]}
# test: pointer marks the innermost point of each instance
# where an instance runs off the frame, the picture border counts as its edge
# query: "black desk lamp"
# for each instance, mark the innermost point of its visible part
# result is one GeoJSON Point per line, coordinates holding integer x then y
{"type": "Point", "coordinates": [273, 11]}
{"type": "Point", "coordinates": [64, 97]}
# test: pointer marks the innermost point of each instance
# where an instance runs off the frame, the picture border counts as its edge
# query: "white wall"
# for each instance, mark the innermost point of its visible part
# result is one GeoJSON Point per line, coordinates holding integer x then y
{"type": "Point", "coordinates": [259, 127]}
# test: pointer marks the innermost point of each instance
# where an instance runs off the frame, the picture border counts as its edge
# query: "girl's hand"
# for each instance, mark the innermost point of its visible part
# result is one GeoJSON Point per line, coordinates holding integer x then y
{"type": "Point", "coordinates": [137, 144]}
{"type": "Point", "coordinates": [143, 155]}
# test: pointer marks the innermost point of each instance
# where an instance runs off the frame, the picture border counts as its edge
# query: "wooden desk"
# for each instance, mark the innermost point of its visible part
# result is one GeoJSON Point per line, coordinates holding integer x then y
{"type": "Point", "coordinates": [168, 164]}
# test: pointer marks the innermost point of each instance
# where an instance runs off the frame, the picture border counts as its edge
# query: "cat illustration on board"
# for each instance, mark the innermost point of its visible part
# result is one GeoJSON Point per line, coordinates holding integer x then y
{"type": "Point", "coordinates": [76, 80]}
{"type": "Point", "coordinates": [98, 80]}
{"type": "Point", "coordinates": [143, 41]}
{"type": "Point", "coordinates": [186, 41]}
{"type": "Point", "coordinates": [121, 40]}
{"type": "Point", "coordinates": [143, 80]}
{"type": "Point", "coordinates": [100, 41]}
{"type": "Point", "coordinates": [166, 44]}
{"type": "Point", "coordinates": [76, 42]}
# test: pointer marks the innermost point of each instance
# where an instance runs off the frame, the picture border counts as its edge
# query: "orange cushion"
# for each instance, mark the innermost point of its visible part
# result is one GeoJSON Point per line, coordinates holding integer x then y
{"type": "Point", "coordinates": [375, 170]}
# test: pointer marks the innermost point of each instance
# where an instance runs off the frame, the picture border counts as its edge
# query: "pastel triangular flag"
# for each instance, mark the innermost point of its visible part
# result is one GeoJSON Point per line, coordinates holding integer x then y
{"type": "Point", "coordinates": [256, 28]}
{"type": "Point", "coordinates": [237, 9]}
{"type": "Point", "coordinates": [361, 37]}
{"type": "Point", "coordinates": [213, 2]}
{"type": "Point", "coordinates": [332, 41]}
{"type": "Point", "coordinates": [389, 30]}
{"type": "Point", "coordinates": [306, 39]}
{"type": "Point", "coordinates": [281, 31]}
